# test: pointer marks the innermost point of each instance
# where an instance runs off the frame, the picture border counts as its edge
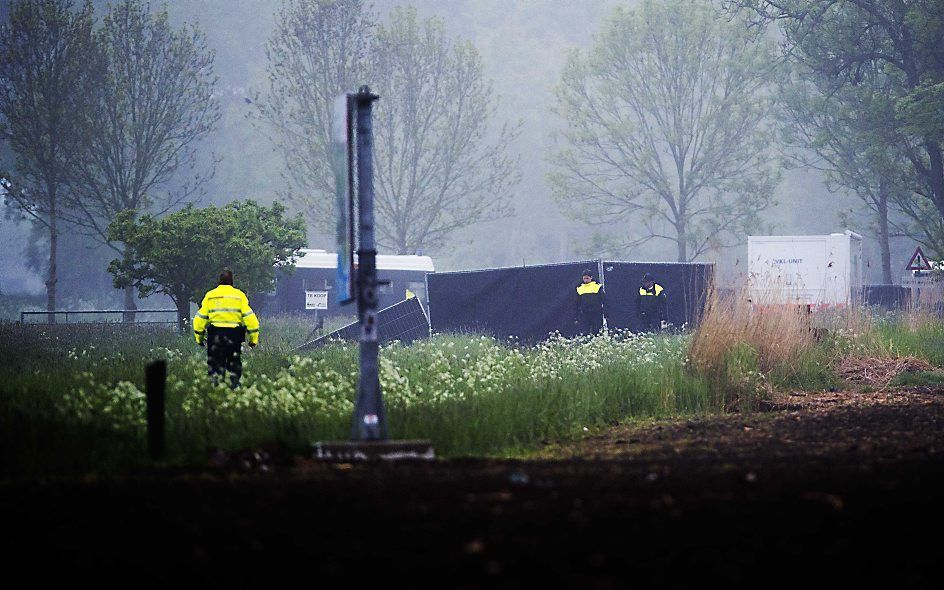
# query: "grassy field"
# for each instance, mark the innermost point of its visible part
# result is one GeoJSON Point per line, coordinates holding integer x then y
{"type": "Point", "coordinates": [71, 396]}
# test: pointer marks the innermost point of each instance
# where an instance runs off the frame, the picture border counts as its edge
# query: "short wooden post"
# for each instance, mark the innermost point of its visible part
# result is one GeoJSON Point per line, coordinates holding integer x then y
{"type": "Point", "coordinates": [155, 378]}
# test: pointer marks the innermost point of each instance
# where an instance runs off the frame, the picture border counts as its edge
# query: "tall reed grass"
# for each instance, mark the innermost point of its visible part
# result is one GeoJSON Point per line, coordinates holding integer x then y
{"type": "Point", "coordinates": [745, 350]}
{"type": "Point", "coordinates": [738, 345]}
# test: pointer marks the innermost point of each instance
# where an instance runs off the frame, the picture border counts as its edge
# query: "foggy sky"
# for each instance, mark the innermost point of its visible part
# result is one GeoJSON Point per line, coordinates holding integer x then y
{"type": "Point", "coordinates": [523, 45]}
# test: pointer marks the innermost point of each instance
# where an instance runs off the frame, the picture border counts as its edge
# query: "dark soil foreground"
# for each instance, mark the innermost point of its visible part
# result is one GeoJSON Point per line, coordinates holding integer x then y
{"type": "Point", "coordinates": [819, 489]}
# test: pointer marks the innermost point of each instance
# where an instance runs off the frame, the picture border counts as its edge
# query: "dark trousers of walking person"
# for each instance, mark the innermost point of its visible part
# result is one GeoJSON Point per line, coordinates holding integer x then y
{"type": "Point", "coordinates": [224, 353]}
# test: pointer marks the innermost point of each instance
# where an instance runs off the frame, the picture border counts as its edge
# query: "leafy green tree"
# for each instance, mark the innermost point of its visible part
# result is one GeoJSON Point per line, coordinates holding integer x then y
{"type": "Point", "coordinates": [317, 53]}
{"type": "Point", "coordinates": [667, 124]}
{"type": "Point", "coordinates": [845, 41]}
{"type": "Point", "coordinates": [153, 105]}
{"type": "Point", "coordinates": [438, 169]}
{"type": "Point", "coordinates": [182, 254]}
{"type": "Point", "coordinates": [46, 59]}
{"type": "Point", "coordinates": [848, 133]}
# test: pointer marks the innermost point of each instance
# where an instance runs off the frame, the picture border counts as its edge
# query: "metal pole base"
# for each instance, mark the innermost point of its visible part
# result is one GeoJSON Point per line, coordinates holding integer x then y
{"type": "Point", "coordinates": [374, 450]}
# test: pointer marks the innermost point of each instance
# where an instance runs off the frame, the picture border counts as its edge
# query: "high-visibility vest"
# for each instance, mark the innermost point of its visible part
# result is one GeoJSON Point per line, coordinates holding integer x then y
{"type": "Point", "coordinates": [651, 302]}
{"type": "Point", "coordinates": [226, 307]}
{"type": "Point", "coordinates": [590, 302]}
{"type": "Point", "coordinates": [656, 288]}
{"type": "Point", "coordinates": [591, 288]}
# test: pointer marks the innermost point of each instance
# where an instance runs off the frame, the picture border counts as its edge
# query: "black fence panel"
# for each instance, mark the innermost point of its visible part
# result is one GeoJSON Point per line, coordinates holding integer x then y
{"type": "Point", "coordinates": [686, 288]}
{"type": "Point", "coordinates": [405, 321]}
{"type": "Point", "coordinates": [887, 296]}
{"type": "Point", "coordinates": [528, 302]}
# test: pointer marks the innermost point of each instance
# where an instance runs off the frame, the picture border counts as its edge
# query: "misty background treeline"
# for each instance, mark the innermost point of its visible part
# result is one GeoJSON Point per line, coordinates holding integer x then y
{"type": "Point", "coordinates": [507, 133]}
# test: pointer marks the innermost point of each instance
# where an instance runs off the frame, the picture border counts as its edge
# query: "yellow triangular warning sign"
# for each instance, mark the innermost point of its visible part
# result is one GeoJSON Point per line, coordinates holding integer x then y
{"type": "Point", "coordinates": [918, 261]}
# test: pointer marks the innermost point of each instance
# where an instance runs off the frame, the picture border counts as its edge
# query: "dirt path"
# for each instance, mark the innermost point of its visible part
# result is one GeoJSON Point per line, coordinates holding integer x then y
{"type": "Point", "coordinates": [840, 488]}
{"type": "Point", "coordinates": [835, 426]}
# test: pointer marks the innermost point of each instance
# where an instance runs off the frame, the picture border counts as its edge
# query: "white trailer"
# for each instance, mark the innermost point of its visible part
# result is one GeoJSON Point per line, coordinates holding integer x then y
{"type": "Point", "coordinates": [819, 271]}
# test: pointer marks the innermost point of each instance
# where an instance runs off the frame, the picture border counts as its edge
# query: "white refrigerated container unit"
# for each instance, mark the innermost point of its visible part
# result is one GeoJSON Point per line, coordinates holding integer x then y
{"type": "Point", "coordinates": [820, 271]}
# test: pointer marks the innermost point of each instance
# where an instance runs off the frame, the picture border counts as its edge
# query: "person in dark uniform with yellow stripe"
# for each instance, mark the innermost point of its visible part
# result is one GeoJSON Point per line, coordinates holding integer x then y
{"type": "Point", "coordinates": [223, 323]}
{"type": "Point", "coordinates": [591, 305]}
{"type": "Point", "coordinates": [651, 305]}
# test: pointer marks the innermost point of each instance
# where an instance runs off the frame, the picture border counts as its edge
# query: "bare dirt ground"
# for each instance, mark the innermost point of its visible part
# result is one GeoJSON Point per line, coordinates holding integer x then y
{"type": "Point", "coordinates": [818, 488]}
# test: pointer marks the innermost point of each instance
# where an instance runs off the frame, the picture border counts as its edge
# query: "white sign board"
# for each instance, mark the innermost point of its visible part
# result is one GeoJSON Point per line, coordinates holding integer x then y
{"type": "Point", "coordinates": [918, 279]}
{"type": "Point", "coordinates": [316, 300]}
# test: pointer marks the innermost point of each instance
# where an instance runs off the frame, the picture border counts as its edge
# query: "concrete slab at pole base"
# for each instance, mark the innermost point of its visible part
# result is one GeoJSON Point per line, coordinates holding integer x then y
{"type": "Point", "coordinates": [374, 450]}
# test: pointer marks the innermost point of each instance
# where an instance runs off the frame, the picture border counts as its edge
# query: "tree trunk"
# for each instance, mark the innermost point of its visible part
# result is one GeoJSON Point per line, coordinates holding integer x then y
{"type": "Point", "coordinates": [882, 207]}
{"type": "Point", "coordinates": [128, 316]}
{"type": "Point", "coordinates": [681, 241]}
{"type": "Point", "coordinates": [129, 305]}
{"type": "Point", "coordinates": [183, 313]}
{"type": "Point", "coordinates": [936, 174]}
{"type": "Point", "coordinates": [52, 278]}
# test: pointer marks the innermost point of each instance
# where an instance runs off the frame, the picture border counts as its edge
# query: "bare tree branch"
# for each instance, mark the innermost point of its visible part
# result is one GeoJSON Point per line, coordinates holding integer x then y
{"type": "Point", "coordinates": [667, 120]}
{"type": "Point", "coordinates": [45, 81]}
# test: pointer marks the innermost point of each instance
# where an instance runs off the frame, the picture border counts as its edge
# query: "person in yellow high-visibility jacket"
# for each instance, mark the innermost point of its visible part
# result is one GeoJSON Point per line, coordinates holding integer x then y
{"type": "Point", "coordinates": [651, 305]}
{"type": "Point", "coordinates": [222, 324]}
{"type": "Point", "coordinates": [591, 305]}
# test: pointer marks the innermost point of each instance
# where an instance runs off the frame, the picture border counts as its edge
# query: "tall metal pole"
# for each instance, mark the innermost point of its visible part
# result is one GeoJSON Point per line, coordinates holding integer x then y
{"type": "Point", "coordinates": [370, 422]}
